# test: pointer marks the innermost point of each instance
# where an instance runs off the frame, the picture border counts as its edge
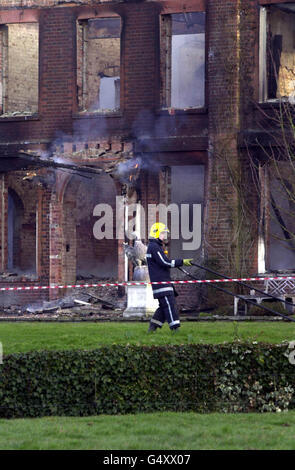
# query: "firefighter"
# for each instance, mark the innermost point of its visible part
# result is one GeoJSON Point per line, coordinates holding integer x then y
{"type": "Point", "coordinates": [159, 270]}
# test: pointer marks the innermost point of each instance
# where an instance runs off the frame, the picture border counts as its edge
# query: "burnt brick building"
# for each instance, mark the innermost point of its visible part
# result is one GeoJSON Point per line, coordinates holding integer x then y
{"type": "Point", "coordinates": [172, 99]}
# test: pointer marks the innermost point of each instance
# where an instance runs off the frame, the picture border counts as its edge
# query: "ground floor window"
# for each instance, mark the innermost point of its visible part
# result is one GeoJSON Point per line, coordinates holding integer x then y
{"type": "Point", "coordinates": [281, 237]}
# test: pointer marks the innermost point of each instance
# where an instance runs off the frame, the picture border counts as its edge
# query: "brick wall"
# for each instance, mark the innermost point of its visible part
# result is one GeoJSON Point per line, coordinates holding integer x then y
{"type": "Point", "coordinates": [57, 73]}
{"type": "Point", "coordinates": [249, 57]}
{"type": "Point", "coordinates": [43, 215]}
{"type": "Point", "coordinates": [46, 3]}
{"type": "Point", "coordinates": [222, 236]}
{"type": "Point", "coordinates": [2, 62]}
{"type": "Point", "coordinates": [3, 223]}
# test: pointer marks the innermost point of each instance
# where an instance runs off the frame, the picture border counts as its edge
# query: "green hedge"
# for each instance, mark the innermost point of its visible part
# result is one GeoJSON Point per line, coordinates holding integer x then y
{"type": "Point", "coordinates": [230, 377]}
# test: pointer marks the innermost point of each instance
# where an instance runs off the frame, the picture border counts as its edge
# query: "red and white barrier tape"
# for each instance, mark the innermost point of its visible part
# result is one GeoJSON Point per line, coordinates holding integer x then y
{"type": "Point", "coordinates": [142, 283]}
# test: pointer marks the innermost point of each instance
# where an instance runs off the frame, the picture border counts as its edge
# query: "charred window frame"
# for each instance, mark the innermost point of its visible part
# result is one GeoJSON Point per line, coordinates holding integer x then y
{"type": "Point", "coordinates": [98, 64]}
{"type": "Point", "coordinates": [19, 69]}
{"type": "Point", "coordinates": [277, 52]}
{"type": "Point", "coordinates": [182, 60]}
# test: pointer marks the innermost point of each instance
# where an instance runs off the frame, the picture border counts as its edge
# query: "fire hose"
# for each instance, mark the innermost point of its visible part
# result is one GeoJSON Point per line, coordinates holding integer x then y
{"type": "Point", "coordinates": [245, 285]}
{"type": "Point", "coordinates": [236, 295]}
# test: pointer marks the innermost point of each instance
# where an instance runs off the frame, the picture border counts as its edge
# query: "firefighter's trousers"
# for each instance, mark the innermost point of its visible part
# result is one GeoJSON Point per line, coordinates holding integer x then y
{"type": "Point", "coordinates": [166, 311]}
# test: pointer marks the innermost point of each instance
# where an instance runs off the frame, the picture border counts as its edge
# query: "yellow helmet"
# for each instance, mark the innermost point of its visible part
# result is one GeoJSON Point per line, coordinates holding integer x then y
{"type": "Point", "coordinates": [158, 228]}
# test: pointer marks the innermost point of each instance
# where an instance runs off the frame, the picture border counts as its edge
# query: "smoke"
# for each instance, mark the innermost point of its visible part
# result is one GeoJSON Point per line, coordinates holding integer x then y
{"type": "Point", "coordinates": [90, 129]}
{"type": "Point", "coordinates": [58, 159]}
{"type": "Point", "coordinates": [148, 127]}
{"type": "Point", "coordinates": [83, 131]}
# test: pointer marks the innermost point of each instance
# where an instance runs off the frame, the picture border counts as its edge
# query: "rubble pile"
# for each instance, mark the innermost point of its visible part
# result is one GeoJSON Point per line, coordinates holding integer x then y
{"type": "Point", "coordinates": [96, 302]}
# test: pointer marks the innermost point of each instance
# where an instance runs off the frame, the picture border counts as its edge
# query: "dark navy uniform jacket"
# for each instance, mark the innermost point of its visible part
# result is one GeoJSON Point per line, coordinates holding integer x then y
{"type": "Point", "coordinates": [159, 268]}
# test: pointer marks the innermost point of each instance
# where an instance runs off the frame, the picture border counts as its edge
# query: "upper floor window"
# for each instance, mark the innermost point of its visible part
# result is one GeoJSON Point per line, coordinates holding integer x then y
{"type": "Point", "coordinates": [19, 69]}
{"type": "Point", "coordinates": [182, 60]}
{"type": "Point", "coordinates": [98, 64]}
{"type": "Point", "coordinates": [277, 52]}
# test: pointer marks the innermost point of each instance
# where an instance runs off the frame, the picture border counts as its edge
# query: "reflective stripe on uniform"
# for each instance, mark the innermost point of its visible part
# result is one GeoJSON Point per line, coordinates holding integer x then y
{"type": "Point", "coordinates": [176, 322]}
{"type": "Point", "coordinates": [169, 308]}
{"type": "Point", "coordinates": [157, 322]}
{"type": "Point", "coordinates": [163, 289]}
{"type": "Point", "coordinates": [172, 264]}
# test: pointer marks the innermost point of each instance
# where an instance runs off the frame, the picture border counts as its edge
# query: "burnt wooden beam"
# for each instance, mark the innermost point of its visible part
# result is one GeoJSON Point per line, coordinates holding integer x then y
{"type": "Point", "coordinates": [49, 163]}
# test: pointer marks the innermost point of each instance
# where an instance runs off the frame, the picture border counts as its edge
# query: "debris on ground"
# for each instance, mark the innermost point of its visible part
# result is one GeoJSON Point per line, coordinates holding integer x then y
{"type": "Point", "coordinates": [103, 302]}
{"type": "Point", "coordinates": [5, 275]}
{"type": "Point", "coordinates": [14, 276]}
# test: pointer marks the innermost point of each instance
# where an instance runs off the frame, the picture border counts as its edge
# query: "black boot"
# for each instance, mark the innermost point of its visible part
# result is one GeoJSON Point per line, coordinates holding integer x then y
{"type": "Point", "coordinates": [152, 328]}
{"type": "Point", "coordinates": [175, 330]}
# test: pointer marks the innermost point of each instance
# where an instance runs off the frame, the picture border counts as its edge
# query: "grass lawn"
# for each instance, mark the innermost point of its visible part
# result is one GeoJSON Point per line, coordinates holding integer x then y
{"type": "Point", "coordinates": [24, 337]}
{"type": "Point", "coordinates": [156, 431]}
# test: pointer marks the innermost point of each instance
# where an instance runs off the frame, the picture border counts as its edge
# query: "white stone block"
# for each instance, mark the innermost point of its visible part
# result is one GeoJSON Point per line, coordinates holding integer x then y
{"type": "Point", "coordinates": [140, 301]}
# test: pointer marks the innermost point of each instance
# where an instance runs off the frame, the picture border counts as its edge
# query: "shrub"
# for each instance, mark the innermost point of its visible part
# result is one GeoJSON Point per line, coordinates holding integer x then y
{"type": "Point", "coordinates": [128, 379]}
